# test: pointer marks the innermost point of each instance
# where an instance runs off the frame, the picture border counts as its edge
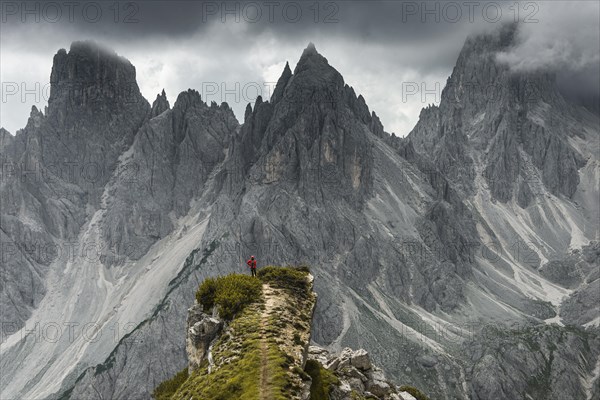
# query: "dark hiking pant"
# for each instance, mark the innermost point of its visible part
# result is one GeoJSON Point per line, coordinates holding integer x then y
{"type": "Point", "coordinates": [253, 271]}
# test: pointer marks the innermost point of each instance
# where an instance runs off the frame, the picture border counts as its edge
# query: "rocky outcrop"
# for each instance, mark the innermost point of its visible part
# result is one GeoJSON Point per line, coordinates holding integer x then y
{"type": "Point", "coordinates": [202, 330]}
{"type": "Point", "coordinates": [95, 109]}
{"type": "Point", "coordinates": [5, 138]}
{"type": "Point", "coordinates": [55, 170]}
{"type": "Point", "coordinates": [160, 105]}
{"type": "Point", "coordinates": [260, 349]}
{"type": "Point", "coordinates": [311, 134]}
{"type": "Point", "coordinates": [168, 164]}
{"type": "Point", "coordinates": [539, 360]}
{"type": "Point", "coordinates": [489, 112]}
{"type": "Point", "coordinates": [357, 377]}
{"type": "Point", "coordinates": [275, 327]}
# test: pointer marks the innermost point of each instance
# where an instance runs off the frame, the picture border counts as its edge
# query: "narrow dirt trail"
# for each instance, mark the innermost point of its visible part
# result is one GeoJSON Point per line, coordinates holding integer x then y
{"type": "Point", "coordinates": [264, 372]}
{"type": "Point", "coordinates": [271, 301]}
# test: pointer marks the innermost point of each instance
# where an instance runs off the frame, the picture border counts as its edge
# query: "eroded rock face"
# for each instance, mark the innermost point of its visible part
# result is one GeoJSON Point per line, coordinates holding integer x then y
{"type": "Point", "coordinates": [360, 359]}
{"type": "Point", "coordinates": [160, 105]}
{"type": "Point", "coordinates": [54, 170]}
{"type": "Point", "coordinates": [202, 329]}
{"type": "Point", "coordinates": [357, 376]}
{"type": "Point", "coordinates": [506, 120]}
{"type": "Point", "coordinates": [543, 354]}
{"type": "Point", "coordinates": [94, 110]}
{"type": "Point", "coordinates": [167, 165]}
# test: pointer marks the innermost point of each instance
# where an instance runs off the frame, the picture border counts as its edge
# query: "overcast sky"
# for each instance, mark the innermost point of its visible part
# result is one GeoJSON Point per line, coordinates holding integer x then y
{"type": "Point", "coordinates": [229, 51]}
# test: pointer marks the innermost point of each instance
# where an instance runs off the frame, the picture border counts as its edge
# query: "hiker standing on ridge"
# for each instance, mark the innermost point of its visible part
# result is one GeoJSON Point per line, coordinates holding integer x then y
{"type": "Point", "coordinates": [252, 264]}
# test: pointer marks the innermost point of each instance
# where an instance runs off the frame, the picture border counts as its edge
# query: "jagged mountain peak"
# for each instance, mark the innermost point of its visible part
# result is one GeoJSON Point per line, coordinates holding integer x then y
{"type": "Point", "coordinates": [311, 59]}
{"type": "Point", "coordinates": [502, 114]}
{"type": "Point", "coordinates": [281, 83]}
{"type": "Point", "coordinates": [313, 81]}
{"type": "Point", "coordinates": [247, 112]}
{"type": "Point", "coordinates": [485, 78]}
{"type": "Point", "coordinates": [311, 66]}
{"type": "Point", "coordinates": [87, 60]}
{"type": "Point", "coordinates": [94, 49]}
{"type": "Point", "coordinates": [160, 105]}
{"type": "Point", "coordinates": [92, 79]}
{"type": "Point", "coordinates": [311, 48]}
{"type": "Point", "coordinates": [35, 118]}
{"type": "Point", "coordinates": [188, 98]}
{"type": "Point", "coordinates": [501, 37]}
{"type": "Point", "coordinates": [311, 51]}
{"type": "Point", "coordinates": [35, 112]}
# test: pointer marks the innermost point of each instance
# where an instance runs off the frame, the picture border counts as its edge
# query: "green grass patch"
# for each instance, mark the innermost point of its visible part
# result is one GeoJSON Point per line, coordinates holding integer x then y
{"type": "Point", "coordinates": [167, 389]}
{"type": "Point", "coordinates": [291, 278]}
{"type": "Point", "coordinates": [249, 356]}
{"type": "Point", "coordinates": [322, 380]}
{"type": "Point", "coordinates": [240, 377]}
{"type": "Point", "coordinates": [229, 293]}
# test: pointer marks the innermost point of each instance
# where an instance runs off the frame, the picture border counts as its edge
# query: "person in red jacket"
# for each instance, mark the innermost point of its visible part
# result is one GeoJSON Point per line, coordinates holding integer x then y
{"type": "Point", "coordinates": [252, 264]}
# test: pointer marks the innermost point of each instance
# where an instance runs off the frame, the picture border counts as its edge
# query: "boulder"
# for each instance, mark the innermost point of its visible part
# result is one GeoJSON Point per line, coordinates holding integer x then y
{"type": "Point", "coordinates": [347, 352]}
{"type": "Point", "coordinates": [378, 384]}
{"type": "Point", "coordinates": [406, 396]}
{"type": "Point", "coordinates": [379, 388]}
{"type": "Point", "coordinates": [361, 360]}
{"type": "Point", "coordinates": [352, 372]}
{"type": "Point", "coordinates": [356, 384]}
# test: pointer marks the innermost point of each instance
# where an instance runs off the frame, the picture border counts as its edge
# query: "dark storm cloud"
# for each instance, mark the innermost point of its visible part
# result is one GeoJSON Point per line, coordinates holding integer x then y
{"type": "Point", "coordinates": [134, 19]}
{"type": "Point", "coordinates": [565, 41]}
{"type": "Point", "coordinates": [376, 45]}
{"type": "Point", "coordinates": [367, 20]}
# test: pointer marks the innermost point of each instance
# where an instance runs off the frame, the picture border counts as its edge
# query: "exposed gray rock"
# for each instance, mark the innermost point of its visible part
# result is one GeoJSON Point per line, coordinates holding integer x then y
{"type": "Point", "coordinates": [202, 330]}
{"type": "Point", "coordinates": [354, 381]}
{"type": "Point", "coordinates": [405, 396]}
{"type": "Point", "coordinates": [5, 138]}
{"type": "Point", "coordinates": [57, 167]}
{"type": "Point", "coordinates": [537, 359]}
{"type": "Point", "coordinates": [281, 84]}
{"type": "Point", "coordinates": [360, 359]}
{"type": "Point", "coordinates": [160, 105]}
{"type": "Point", "coordinates": [488, 108]}
{"type": "Point", "coordinates": [581, 307]}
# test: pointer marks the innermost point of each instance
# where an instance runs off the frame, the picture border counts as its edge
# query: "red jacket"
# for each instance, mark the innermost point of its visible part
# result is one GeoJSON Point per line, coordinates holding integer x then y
{"type": "Point", "coordinates": [251, 263]}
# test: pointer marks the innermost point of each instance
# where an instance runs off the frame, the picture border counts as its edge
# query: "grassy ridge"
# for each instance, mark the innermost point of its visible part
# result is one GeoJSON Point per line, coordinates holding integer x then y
{"type": "Point", "coordinates": [229, 293]}
{"type": "Point", "coordinates": [167, 389]}
{"type": "Point", "coordinates": [289, 278]}
{"type": "Point", "coordinates": [251, 358]}
{"type": "Point", "coordinates": [239, 379]}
